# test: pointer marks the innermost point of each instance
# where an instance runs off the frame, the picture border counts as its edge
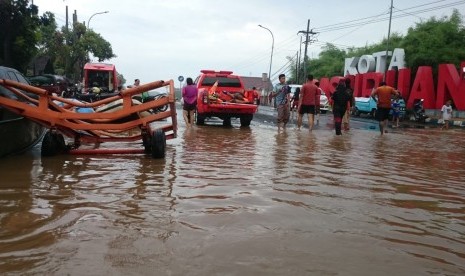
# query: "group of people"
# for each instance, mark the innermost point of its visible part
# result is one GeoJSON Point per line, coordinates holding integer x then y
{"type": "Point", "coordinates": [308, 102]}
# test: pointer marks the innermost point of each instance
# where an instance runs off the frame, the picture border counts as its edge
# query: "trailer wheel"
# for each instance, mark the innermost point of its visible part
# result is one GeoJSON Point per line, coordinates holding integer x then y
{"type": "Point", "coordinates": [47, 148]}
{"type": "Point", "coordinates": [147, 143]}
{"type": "Point", "coordinates": [246, 119]}
{"type": "Point", "coordinates": [60, 143]}
{"type": "Point", "coordinates": [158, 143]}
{"type": "Point", "coordinates": [53, 143]}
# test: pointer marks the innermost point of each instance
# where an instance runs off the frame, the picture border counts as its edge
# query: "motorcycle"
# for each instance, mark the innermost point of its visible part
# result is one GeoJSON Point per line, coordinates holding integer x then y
{"type": "Point", "coordinates": [153, 96]}
{"type": "Point", "coordinates": [419, 111]}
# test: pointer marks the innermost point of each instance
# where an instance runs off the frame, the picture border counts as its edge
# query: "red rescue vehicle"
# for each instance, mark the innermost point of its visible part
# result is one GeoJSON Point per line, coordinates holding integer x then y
{"type": "Point", "coordinates": [223, 95]}
{"type": "Point", "coordinates": [101, 75]}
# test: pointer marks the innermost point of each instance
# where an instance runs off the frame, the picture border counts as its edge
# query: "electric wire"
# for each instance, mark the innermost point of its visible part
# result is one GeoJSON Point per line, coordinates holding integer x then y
{"type": "Point", "coordinates": [377, 20]}
{"type": "Point", "coordinates": [355, 23]}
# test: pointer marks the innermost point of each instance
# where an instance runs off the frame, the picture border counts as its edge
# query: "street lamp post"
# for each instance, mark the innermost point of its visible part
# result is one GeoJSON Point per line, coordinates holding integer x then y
{"type": "Point", "coordinates": [88, 22]}
{"type": "Point", "coordinates": [272, 47]}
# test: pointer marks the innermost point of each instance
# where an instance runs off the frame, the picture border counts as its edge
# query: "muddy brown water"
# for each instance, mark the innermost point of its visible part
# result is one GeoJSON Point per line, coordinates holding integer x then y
{"type": "Point", "coordinates": [232, 201]}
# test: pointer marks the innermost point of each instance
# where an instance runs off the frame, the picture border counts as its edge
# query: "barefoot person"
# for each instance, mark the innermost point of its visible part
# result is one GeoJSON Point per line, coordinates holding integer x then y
{"type": "Point", "coordinates": [281, 94]}
{"type": "Point", "coordinates": [346, 118]}
{"type": "Point", "coordinates": [340, 101]}
{"type": "Point", "coordinates": [384, 93]}
{"type": "Point", "coordinates": [189, 96]}
{"type": "Point", "coordinates": [446, 112]}
{"type": "Point", "coordinates": [307, 102]}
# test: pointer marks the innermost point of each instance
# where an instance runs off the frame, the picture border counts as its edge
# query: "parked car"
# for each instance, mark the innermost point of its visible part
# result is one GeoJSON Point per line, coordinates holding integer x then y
{"type": "Point", "coordinates": [364, 105]}
{"type": "Point", "coordinates": [368, 105]}
{"type": "Point", "coordinates": [52, 83]}
{"type": "Point", "coordinates": [17, 133]}
{"type": "Point", "coordinates": [324, 103]}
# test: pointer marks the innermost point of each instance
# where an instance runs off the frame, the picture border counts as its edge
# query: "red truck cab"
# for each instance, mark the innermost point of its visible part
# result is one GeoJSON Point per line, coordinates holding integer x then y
{"type": "Point", "coordinates": [223, 95]}
{"type": "Point", "coordinates": [101, 75]}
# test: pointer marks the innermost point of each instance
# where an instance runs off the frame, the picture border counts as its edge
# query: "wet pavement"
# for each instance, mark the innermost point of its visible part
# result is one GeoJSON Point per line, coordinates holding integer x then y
{"type": "Point", "coordinates": [243, 201]}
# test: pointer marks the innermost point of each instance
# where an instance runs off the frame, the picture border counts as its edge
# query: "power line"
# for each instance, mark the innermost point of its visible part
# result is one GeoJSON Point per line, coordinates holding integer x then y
{"type": "Point", "coordinates": [421, 18]}
{"type": "Point", "coordinates": [356, 23]}
{"type": "Point", "coordinates": [260, 56]}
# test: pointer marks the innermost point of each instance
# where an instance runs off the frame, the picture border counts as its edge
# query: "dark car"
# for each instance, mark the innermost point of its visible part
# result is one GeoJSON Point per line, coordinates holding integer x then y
{"type": "Point", "coordinates": [17, 133]}
{"type": "Point", "coordinates": [52, 83]}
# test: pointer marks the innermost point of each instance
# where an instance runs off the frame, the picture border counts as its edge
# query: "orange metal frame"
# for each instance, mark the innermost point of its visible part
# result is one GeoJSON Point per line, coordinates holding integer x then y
{"type": "Point", "coordinates": [60, 113]}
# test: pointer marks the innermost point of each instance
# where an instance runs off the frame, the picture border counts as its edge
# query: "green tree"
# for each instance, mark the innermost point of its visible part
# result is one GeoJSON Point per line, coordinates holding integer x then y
{"type": "Point", "coordinates": [121, 79]}
{"type": "Point", "coordinates": [80, 42]}
{"type": "Point", "coordinates": [49, 40]}
{"type": "Point", "coordinates": [18, 37]}
{"type": "Point", "coordinates": [428, 43]}
{"type": "Point", "coordinates": [97, 45]}
{"type": "Point", "coordinates": [395, 41]}
{"type": "Point", "coordinates": [69, 49]}
{"type": "Point", "coordinates": [330, 62]}
{"type": "Point", "coordinates": [435, 41]}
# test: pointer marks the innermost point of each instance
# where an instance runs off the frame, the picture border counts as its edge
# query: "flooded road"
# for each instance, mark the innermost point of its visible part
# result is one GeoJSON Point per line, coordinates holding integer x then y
{"type": "Point", "coordinates": [231, 201]}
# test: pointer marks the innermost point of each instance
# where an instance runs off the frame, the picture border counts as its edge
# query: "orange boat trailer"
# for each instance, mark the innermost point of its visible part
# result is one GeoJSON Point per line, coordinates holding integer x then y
{"type": "Point", "coordinates": [116, 119]}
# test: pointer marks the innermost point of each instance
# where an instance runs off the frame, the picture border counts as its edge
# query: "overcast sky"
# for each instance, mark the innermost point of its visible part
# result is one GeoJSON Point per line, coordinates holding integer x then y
{"type": "Point", "coordinates": [157, 39]}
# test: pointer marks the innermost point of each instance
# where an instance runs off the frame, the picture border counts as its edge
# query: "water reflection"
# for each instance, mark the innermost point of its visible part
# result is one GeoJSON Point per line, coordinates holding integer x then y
{"type": "Point", "coordinates": [242, 200]}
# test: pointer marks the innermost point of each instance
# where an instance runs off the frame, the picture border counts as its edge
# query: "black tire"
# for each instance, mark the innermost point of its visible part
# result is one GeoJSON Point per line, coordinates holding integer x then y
{"type": "Point", "coordinates": [48, 148]}
{"type": "Point", "coordinates": [246, 119]}
{"type": "Point", "coordinates": [227, 122]}
{"type": "Point", "coordinates": [373, 113]}
{"type": "Point", "coordinates": [158, 143]}
{"type": "Point", "coordinates": [52, 144]}
{"type": "Point", "coordinates": [67, 94]}
{"type": "Point", "coordinates": [146, 141]}
{"type": "Point", "coordinates": [60, 143]}
{"type": "Point", "coordinates": [200, 119]}
{"type": "Point", "coordinates": [162, 108]}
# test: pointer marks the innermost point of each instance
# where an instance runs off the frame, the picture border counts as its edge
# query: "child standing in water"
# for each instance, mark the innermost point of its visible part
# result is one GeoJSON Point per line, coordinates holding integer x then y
{"type": "Point", "coordinates": [395, 106]}
{"type": "Point", "coordinates": [446, 111]}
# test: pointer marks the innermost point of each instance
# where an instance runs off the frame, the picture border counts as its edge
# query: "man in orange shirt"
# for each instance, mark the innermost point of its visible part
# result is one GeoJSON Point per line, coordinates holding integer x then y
{"type": "Point", "coordinates": [384, 93]}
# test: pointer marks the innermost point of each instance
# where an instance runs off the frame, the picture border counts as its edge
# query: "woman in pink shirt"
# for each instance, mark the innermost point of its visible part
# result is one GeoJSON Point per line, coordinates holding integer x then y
{"type": "Point", "coordinates": [189, 96]}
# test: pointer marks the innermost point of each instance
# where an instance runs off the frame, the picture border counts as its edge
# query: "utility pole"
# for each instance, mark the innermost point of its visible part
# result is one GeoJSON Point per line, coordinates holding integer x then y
{"type": "Point", "coordinates": [388, 36]}
{"type": "Point", "coordinates": [67, 26]}
{"type": "Point", "coordinates": [297, 67]}
{"type": "Point", "coordinates": [300, 57]}
{"type": "Point", "coordinates": [307, 41]}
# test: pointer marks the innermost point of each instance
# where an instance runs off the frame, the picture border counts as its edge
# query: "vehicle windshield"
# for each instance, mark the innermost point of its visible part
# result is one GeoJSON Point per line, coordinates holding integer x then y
{"type": "Point", "coordinates": [222, 82]}
{"type": "Point", "coordinates": [98, 78]}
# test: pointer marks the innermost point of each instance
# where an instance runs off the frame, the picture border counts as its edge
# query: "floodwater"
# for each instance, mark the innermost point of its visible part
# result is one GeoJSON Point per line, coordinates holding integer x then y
{"type": "Point", "coordinates": [233, 201]}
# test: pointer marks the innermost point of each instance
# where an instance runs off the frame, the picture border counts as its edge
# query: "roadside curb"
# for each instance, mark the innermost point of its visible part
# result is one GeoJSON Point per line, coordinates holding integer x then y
{"type": "Point", "coordinates": [436, 121]}
{"type": "Point", "coordinates": [269, 111]}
